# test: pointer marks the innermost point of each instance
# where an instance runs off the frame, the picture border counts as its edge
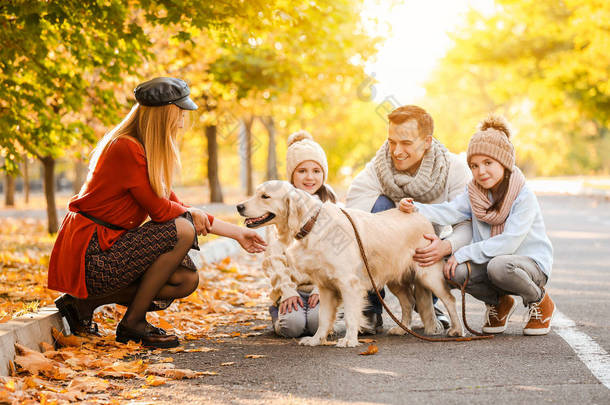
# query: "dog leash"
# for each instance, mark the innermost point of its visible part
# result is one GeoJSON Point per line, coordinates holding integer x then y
{"type": "Point", "coordinates": [478, 335]}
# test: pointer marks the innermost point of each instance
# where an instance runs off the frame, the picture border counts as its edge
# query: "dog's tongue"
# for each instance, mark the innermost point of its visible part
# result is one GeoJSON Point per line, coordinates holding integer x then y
{"type": "Point", "coordinates": [251, 220]}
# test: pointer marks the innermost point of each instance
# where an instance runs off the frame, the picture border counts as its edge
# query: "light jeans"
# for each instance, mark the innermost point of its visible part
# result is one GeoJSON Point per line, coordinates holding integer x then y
{"type": "Point", "coordinates": [503, 275]}
{"type": "Point", "coordinates": [300, 322]}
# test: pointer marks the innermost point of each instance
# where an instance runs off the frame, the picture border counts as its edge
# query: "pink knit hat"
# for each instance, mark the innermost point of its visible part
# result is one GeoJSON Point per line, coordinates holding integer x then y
{"type": "Point", "coordinates": [492, 140]}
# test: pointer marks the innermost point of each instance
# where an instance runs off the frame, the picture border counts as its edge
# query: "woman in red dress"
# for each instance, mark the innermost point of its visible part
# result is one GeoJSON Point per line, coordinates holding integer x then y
{"type": "Point", "coordinates": [103, 254]}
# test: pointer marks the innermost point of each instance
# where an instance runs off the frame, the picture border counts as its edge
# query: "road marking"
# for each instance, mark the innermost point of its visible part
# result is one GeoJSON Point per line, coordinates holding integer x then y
{"type": "Point", "coordinates": [589, 352]}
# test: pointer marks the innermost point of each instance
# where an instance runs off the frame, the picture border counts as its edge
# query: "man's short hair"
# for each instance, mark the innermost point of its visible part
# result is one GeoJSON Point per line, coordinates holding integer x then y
{"type": "Point", "coordinates": [425, 125]}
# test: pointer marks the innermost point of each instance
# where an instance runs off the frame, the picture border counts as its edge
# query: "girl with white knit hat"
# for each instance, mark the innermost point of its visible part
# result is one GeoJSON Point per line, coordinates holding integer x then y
{"type": "Point", "coordinates": [295, 299]}
{"type": "Point", "coordinates": [510, 253]}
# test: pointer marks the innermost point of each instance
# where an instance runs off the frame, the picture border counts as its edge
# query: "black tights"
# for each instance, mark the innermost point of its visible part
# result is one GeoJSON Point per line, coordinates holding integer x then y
{"type": "Point", "coordinates": [164, 279]}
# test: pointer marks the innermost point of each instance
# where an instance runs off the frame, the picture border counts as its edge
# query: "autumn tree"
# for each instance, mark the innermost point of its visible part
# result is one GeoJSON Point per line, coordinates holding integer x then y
{"type": "Point", "coordinates": [543, 64]}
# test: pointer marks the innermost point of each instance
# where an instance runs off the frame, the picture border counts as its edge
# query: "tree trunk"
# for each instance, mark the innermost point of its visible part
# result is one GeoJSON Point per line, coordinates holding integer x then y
{"type": "Point", "coordinates": [80, 174]}
{"type": "Point", "coordinates": [269, 124]}
{"type": "Point", "coordinates": [26, 180]}
{"type": "Point", "coordinates": [215, 189]}
{"type": "Point", "coordinates": [9, 190]}
{"type": "Point", "coordinates": [48, 164]}
{"type": "Point", "coordinates": [245, 152]}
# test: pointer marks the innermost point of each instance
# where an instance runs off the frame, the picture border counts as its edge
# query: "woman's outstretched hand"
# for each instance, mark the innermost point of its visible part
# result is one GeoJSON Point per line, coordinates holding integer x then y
{"type": "Point", "coordinates": [251, 241]}
{"type": "Point", "coordinates": [406, 205]}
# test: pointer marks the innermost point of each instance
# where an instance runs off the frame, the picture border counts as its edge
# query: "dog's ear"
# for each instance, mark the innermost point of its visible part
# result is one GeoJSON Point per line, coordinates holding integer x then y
{"type": "Point", "coordinates": [294, 206]}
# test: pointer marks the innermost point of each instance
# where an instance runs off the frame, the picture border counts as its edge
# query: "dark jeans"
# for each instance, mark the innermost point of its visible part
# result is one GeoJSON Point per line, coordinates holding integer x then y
{"type": "Point", "coordinates": [383, 203]}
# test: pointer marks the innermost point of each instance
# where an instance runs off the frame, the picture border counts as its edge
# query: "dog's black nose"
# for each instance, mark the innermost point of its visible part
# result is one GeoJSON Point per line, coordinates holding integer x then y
{"type": "Point", "coordinates": [240, 208]}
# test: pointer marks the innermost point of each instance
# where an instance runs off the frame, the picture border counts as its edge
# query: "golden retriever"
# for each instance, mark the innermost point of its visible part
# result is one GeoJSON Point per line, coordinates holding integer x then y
{"type": "Point", "coordinates": [330, 256]}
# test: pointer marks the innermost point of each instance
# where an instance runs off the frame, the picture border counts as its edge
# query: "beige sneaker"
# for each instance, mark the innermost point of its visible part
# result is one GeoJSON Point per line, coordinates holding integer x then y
{"type": "Point", "coordinates": [540, 316]}
{"type": "Point", "coordinates": [497, 316]}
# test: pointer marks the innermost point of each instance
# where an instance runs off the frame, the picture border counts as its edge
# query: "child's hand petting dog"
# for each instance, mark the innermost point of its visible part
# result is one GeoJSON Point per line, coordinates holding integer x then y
{"type": "Point", "coordinates": [406, 205]}
{"type": "Point", "coordinates": [290, 304]}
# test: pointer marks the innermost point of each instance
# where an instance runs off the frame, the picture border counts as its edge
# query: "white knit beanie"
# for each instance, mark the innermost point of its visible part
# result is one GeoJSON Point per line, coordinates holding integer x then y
{"type": "Point", "coordinates": [302, 147]}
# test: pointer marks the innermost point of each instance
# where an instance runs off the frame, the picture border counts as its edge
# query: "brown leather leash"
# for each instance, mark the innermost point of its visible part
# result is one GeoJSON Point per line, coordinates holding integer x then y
{"type": "Point", "coordinates": [478, 335]}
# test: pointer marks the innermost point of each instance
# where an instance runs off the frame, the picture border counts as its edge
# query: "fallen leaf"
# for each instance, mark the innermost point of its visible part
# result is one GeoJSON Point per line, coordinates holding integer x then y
{"type": "Point", "coordinates": [132, 394]}
{"type": "Point", "coordinates": [155, 381]}
{"type": "Point", "coordinates": [46, 347]}
{"type": "Point", "coordinates": [166, 360]}
{"type": "Point", "coordinates": [169, 371]}
{"type": "Point", "coordinates": [66, 341]}
{"type": "Point", "coordinates": [201, 349]}
{"type": "Point", "coordinates": [10, 385]}
{"type": "Point", "coordinates": [366, 340]}
{"type": "Point", "coordinates": [228, 363]}
{"type": "Point", "coordinates": [372, 349]}
{"type": "Point", "coordinates": [259, 327]}
{"type": "Point", "coordinates": [34, 362]}
{"type": "Point", "coordinates": [254, 356]}
{"type": "Point", "coordinates": [88, 384]}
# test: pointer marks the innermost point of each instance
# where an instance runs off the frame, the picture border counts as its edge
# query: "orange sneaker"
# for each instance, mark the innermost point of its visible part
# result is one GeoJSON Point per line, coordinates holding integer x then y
{"type": "Point", "coordinates": [497, 316]}
{"type": "Point", "coordinates": [540, 316]}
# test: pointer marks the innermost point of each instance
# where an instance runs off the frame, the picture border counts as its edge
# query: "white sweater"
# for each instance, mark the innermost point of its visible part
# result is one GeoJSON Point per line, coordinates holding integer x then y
{"type": "Point", "coordinates": [366, 188]}
{"type": "Point", "coordinates": [524, 232]}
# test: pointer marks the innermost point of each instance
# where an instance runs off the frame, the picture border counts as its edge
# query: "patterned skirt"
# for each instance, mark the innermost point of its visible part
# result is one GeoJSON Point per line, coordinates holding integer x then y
{"type": "Point", "coordinates": [128, 258]}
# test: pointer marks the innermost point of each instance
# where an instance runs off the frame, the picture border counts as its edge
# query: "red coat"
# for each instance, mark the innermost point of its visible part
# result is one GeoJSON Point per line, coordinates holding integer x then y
{"type": "Point", "coordinates": [119, 193]}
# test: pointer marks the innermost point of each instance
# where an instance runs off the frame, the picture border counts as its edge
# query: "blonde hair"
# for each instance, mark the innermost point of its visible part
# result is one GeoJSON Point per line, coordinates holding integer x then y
{"type": "Point", "coordinates": [155, 128]}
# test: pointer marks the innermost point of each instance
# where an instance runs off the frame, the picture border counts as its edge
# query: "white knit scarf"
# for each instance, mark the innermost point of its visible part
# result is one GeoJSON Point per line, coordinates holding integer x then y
{"type": "Point", "coordinates": [425, 186]}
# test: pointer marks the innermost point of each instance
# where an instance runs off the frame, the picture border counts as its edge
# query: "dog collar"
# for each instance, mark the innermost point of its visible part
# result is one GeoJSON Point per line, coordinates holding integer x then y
{"type": "Point", "coordinates": [308, 226]}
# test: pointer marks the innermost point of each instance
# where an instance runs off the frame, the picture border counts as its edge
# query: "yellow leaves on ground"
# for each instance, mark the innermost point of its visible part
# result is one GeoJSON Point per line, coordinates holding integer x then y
{"type": "Point", "coordinates": [24, 257]}
{"type": "Point", "coordinates": [84, 371]}
{"type": "Point", "coordinates": [36, 363]}
{"type": "Point", "coordinates": [254, 356]}
{"type": "Point", "coordinates": [372, 349]}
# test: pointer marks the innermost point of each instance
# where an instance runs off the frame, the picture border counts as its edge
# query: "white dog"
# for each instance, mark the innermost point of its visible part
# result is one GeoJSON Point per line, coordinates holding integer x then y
{"type": "Point", "coordinates": [329, 254]}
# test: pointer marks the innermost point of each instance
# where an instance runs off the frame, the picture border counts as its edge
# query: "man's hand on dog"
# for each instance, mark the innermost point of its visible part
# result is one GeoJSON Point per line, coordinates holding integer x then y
{"type": "Point", "coordinates": [406, 205]}
{"type": "Point", "coordinates": [449, 269]}
{"type": "Point", "coordinates": [432, 253]}
{"type": "Point", "coordinates": [290, 304]}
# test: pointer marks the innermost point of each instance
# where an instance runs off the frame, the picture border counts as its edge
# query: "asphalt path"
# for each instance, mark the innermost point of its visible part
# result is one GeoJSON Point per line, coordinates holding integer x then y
{"type": "Point", "coordinates": [511, 368]}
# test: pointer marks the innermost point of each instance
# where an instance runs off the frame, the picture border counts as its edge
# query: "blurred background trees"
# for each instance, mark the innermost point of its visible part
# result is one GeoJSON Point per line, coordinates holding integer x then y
{"type": "Point", "coordinates": [261, 70]}
{"type": "Point", "coordinates": [544, 64]}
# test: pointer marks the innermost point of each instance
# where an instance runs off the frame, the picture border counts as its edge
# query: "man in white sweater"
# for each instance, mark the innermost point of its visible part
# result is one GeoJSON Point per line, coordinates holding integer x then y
{"type": "Point", "coordinates": [411, 163]}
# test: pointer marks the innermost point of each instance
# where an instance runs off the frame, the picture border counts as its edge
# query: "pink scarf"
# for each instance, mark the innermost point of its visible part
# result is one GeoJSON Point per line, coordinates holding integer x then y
{"type": "Point", "coordinates": [480, 202]}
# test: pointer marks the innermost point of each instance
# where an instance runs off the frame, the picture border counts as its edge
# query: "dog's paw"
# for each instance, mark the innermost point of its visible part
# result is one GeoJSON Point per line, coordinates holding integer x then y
{"type": "Point", "coordinates": [436, 329]}
{"type": "Point", "coordinates": [396, 330]}
{"type": "Point", "coordinates": [456, 331]}
{"type": "Point", "coordinates": [345, 342]}
{"type": "Point", "coordinates": [310, 341]}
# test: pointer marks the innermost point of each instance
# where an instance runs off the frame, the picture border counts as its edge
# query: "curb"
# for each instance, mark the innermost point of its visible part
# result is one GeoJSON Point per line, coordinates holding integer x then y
{"type": "Point", "coordinates": [32, 329]}
{"type": "Point", "coordinates": [29, 330]}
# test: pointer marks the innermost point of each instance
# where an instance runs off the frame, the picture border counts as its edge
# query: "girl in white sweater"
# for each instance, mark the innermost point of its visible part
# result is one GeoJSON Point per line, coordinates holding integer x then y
{"type": "Point", "coordinates": [510, 253]}
{"type": "Point", "coordinates": [295, 299]}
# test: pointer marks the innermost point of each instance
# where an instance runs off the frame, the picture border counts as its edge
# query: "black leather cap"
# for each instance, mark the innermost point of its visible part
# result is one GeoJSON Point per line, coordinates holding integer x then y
{"type": "Point", "coordinates": [163, 91]}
